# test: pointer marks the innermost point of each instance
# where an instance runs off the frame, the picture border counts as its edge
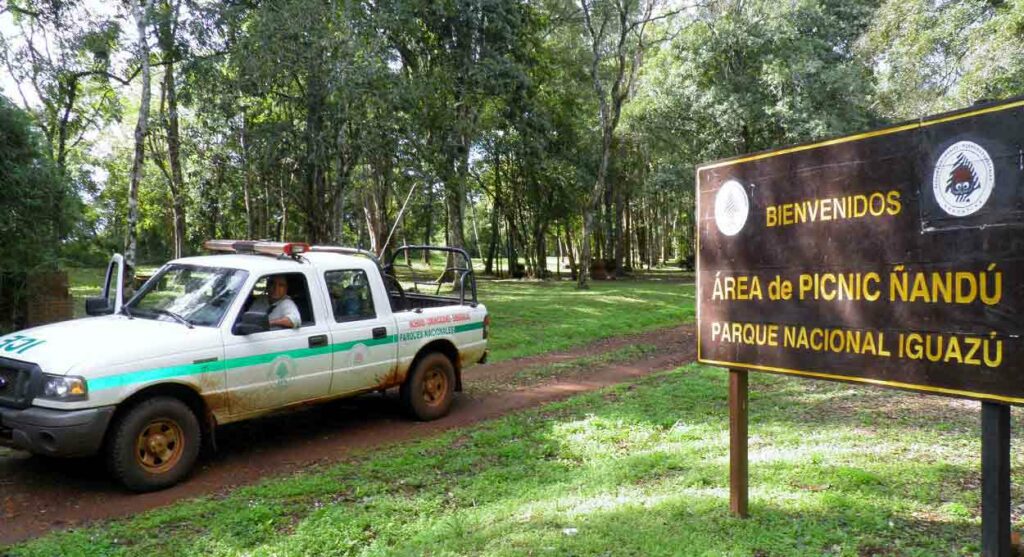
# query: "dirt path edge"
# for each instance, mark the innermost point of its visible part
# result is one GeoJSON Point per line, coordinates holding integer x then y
{"type": "Point", "coordinates": [39, 495]}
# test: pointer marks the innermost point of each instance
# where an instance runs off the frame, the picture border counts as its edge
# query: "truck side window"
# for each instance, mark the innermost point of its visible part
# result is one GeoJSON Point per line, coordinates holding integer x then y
{"type": "Point", "coordinates": [298, 292]}
{"type": "Point", "coordinates": [351, 299]}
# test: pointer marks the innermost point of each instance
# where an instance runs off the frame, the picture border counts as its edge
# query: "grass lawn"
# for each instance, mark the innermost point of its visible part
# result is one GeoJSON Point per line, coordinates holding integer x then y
{"type": "Point", "coordinates": [637, 469]}
{"type": "Point", "coordinates": [533, 317]}
{"type": "Point", "coordinates": [84, 282]}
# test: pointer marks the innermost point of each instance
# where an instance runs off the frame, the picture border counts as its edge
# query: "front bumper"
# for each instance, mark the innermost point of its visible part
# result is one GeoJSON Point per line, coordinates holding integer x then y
{"type": "Point", "coordinates": [64, 433]}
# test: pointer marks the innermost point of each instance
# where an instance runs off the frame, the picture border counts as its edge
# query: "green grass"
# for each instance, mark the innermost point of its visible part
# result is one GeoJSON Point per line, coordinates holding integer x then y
{"type": "Point", "coordinates": [533, 317]}
{"type": "Point", "coordinates": [531, 375]}
{"type": "Point", "coordinates": [530, 318]}
{"type": "Point", "coordinates": [84, 282]}
{"type": "Point", "coordinates": [638, 469]}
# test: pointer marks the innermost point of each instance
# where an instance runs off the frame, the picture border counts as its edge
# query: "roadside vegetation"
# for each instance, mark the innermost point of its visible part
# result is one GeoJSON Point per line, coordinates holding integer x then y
{"type": "Point", "coordinates": [637, 469]}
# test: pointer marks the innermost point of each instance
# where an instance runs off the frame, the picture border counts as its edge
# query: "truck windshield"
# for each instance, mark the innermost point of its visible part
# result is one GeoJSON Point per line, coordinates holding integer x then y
{"type": "Point", "coordinates": [199, 295]}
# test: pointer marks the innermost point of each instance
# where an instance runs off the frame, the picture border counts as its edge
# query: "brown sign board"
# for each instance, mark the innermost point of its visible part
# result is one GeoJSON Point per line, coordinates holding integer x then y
{"type": "Point", "coordinates": [892, 257]}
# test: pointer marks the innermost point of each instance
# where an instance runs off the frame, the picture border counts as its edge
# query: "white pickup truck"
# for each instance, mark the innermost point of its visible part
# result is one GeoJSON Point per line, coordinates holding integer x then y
{"type": "Point", "coordinates": [145, 383]}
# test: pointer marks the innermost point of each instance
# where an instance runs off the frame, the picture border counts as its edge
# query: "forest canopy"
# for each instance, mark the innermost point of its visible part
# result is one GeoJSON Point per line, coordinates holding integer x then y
{"type": "Point", "coordinates": [518, 130]}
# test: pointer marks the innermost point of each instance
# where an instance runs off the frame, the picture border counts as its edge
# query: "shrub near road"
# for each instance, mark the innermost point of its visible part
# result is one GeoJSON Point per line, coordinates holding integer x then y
{"type": "Point", "coordinates": [637, 469]}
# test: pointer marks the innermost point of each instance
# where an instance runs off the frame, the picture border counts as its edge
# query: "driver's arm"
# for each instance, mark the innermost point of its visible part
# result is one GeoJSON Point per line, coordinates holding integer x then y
{"type": "Point", "coordinates": [291, 318]}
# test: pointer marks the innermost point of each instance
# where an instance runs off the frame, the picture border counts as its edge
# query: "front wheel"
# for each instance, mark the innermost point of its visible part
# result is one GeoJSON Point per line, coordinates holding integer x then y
{"type": "Point", "coordinates": [428, 391]}
{"type": "Point", "coordinates": [154, 444]}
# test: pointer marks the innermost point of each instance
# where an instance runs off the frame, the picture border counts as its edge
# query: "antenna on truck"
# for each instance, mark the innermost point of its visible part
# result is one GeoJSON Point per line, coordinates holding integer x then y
{"type": "Point", "coordinates": [398, 219]}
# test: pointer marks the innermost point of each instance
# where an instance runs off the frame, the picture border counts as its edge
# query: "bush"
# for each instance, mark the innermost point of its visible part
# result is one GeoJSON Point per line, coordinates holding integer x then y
{"type": "Point", "coordinates": [34, 211]}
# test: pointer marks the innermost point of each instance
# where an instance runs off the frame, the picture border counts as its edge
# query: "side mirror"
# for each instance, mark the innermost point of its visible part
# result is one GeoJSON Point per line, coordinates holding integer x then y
{"type": "Point", "coordinates": [251, 322]}
{"type": "Point", "coordinates": [98, 306]}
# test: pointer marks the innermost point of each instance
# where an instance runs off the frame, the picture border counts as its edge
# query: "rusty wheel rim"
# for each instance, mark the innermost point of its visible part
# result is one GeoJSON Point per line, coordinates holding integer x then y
{"type": "Point", "coordinates": [159, 446]}
{"type": "Point", "coordinates": [435, 386]}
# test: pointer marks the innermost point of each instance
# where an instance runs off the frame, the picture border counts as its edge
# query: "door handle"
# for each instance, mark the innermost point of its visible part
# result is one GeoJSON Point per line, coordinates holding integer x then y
{"type": "Point", "coordinates": [380, 332]}
{"type": "Point", "coordinates": [317, 340]}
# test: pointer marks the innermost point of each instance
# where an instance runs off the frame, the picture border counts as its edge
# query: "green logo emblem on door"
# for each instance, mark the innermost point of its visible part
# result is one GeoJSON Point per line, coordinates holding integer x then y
{"type": "Point", "coordinates": [282, 370]}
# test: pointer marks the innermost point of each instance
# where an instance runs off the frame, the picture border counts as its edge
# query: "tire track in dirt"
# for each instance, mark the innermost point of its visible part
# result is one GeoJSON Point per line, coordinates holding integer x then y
{"type": "Point", "coordinates": [38, 495]}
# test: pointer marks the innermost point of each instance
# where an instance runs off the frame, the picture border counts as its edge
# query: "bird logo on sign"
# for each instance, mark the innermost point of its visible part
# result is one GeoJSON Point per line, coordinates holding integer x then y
{"type": "Point", "coordinates": [964, 178]}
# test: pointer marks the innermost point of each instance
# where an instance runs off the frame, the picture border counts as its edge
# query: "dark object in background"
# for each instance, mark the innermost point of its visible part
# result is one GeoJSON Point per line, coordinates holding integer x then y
{"type": "Point", "coordinates": [37, 299]}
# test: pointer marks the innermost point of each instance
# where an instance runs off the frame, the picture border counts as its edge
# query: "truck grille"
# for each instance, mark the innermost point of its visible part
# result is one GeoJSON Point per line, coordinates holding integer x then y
{"type": "Point", "coordinates": [17, 384]}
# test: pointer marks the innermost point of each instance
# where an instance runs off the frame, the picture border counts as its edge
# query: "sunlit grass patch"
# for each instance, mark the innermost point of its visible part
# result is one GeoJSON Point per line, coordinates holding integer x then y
{"type": "Point", "coordinates": [536, 317]}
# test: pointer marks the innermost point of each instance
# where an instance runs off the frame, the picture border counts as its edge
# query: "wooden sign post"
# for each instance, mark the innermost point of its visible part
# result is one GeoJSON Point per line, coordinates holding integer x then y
{"type": "Point", "coordinates": [738, 476]}
{"type": "Point", "coordinates": [893, 257]}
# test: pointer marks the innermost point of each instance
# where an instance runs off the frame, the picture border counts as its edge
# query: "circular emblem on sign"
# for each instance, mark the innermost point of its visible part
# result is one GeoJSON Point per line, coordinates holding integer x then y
{"type": "Point", "coordinates": [963, 179]}
{"type": "Point", "coordinates": [731, 208]}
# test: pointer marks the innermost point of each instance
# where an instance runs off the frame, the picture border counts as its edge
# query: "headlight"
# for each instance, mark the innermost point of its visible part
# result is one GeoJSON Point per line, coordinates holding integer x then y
{"type": "Point", "coordinates": [65, 388]}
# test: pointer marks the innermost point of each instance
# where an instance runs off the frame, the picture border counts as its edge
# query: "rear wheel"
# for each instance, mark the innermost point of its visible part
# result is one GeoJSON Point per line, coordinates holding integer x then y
{"type": "Point", "coordinates": [154, 445]}
{"type": "Point", "coordinates": [428, 391]}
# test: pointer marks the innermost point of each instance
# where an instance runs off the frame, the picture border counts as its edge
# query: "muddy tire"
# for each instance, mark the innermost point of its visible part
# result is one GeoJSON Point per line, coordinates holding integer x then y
{"type": "Point", "coordinates": [428, 391]}
{"type": "Point", "coordinates": [154, 444]}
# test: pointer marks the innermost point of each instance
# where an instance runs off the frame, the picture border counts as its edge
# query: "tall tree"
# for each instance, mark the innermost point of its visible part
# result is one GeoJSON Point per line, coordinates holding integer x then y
{"type": "Point", "coordinates": [141, 13]}
{"type": "Point", "coordinates": [60, 56]}
{"type": "Point", "coordinates": [617, 31]}
{"type": "Point", "coordinates": [166, 16]}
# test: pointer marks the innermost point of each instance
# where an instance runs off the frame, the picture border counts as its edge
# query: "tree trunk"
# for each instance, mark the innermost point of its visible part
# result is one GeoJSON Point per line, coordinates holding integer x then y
{"type": "Point", "coordinates": [375, 207]}
{"type": "Point", "coordinates": [282, 205]}
{"type": "Point", "coordinates": [540, 245]}
{"type": "Point", "coordinates": [428, 232]}
{"type": "Point", "coordinates": [166, 29]}
{"type": "Point", "coordinates": [495, 233]}
{"type": "Point", "coordinates": [246, 177]}
{"type": "Point", "coordinates": [476, 231]}
{"type": "Point", "coordinates": [141, 14]}
{"type": "Point", "coordinates": [618, 238]}
{"type": "Point", "coordinates": [316, 214]}
{"type": "Point", "coordinates": [174, 156]}
{"type": "Point", "coordinates": [571, 251]}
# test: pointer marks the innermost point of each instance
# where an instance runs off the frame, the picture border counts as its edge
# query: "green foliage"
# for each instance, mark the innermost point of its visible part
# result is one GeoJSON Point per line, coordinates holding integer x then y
{"type": "Point", "coordinates": [302, 119]}
{"type": "Point", "coordinates": [936, 56]}
{"type": "Point", "coordinates": [36, 207]}
{"type": "Point", "coordinates": [747, 76]}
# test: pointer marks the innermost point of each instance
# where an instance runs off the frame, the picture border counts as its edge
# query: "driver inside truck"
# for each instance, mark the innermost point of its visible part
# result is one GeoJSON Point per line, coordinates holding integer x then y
{"type": "Point", "coordinates": [280, 309]}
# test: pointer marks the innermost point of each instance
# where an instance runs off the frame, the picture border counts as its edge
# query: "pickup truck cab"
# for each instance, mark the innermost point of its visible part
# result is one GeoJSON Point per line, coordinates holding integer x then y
{"type": "Point", "coordinates": [145, 383]}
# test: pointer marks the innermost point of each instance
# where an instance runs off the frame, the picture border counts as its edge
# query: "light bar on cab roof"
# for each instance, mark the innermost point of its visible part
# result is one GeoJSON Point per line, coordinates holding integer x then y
{"type": "Point", "coordinates": [228, 246]}
{"type": "Point", "coordinates": [277, 248]}
{"type": "Point", "coordinates": [290, 249]}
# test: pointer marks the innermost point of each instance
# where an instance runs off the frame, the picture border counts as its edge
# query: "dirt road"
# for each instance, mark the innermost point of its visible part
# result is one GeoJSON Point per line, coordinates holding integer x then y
{"type": "Point", "coordinates": [38, 495]}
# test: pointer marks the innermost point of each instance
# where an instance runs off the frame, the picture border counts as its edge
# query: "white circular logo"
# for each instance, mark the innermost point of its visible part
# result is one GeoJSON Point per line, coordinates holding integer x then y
{"type": "Point", "coordinates": [731, 208]}
{"type": "Point", "coordinates": [964, 178]}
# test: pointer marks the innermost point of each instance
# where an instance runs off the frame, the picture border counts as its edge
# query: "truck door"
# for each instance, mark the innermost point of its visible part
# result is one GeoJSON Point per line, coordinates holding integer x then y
{"type": "Point", "coordinates": [280, 366]}
{"type": "Point", "coordinates": [112, 296]}
{"type": "Point", "coordinates": [365, 341]}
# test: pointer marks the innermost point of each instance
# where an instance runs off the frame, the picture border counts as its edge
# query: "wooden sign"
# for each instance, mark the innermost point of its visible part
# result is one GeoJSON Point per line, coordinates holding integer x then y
{"type": "Point", "coordinates": [893, 257]}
